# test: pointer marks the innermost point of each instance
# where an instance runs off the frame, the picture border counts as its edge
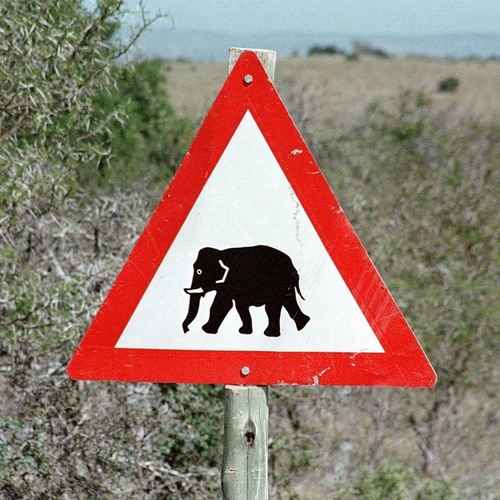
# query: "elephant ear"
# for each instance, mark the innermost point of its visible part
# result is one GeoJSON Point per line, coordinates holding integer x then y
{"type": "Point", "coordinates": [226, 271]}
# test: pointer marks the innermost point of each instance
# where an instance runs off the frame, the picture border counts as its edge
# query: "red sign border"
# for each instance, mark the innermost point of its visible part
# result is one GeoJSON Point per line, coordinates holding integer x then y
{"type": "Point", "coordinates": [402, 364]}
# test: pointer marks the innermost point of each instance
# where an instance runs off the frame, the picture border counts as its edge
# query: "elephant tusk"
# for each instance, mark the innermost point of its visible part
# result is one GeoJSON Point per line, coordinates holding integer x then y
{"type": "Point", "coordinates": [194, 290]}
{"type": "Point", "coordinates": [226, 270]}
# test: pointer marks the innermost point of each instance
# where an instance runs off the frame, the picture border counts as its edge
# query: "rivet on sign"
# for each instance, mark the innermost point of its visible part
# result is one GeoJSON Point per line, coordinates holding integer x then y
{"type": "Point", "coordinates": [245, 370]}
{"type": "Point", "coordinates": [248, 79]}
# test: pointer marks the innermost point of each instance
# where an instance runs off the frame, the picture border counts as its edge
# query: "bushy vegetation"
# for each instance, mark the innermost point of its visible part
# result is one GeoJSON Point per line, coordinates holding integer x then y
{"type": "Point", "coordinates": [363, 48]}
{"type": "Point", "coordinates": [449, 84]}
{"type": "Point", "coordinates": [49, 75]}
{"type": "Point", "coordinates": [358, 49]}
{"type": "Point", "coordinates": [327, 50]}
{"type": "Point", "coordinates": [87, 146]}
{"type": "Point", "coordinates": [148, 145]}
{"type": "Point", "coordinates": [394, 482]}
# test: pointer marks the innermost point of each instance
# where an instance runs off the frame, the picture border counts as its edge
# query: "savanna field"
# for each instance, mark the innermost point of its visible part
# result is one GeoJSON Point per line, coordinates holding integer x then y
{"type": "Point", "coordinates": [88, 146]}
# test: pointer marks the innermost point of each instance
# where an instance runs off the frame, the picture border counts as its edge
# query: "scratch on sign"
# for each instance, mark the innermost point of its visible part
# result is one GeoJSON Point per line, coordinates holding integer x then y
{"type": "Point", "coordinates": [321, 373]}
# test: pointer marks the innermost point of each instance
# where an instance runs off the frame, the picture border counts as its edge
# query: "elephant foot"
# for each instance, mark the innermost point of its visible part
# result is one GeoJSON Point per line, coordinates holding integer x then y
{"type": "Point", "coordinates": [271, 332]}
{"type": "Point", "coordinates": [302, 321]}
{"type": "Point", "coordinates": [247, 330]}
{"type": "Point", "coordinates": [210, 329]}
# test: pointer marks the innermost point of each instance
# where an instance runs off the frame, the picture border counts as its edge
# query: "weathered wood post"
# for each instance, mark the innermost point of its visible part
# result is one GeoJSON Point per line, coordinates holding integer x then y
{"type": "Point", "coordinates": [266, 57]}
{"type": "Point", "coordinates": [246, 413]}
{"type": "Point", "coordinates": [244, 463]}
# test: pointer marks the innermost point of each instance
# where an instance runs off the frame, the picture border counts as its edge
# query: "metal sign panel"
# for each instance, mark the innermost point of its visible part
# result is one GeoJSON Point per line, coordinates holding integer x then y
{"type": "Point", "coordinates": [249, 271]}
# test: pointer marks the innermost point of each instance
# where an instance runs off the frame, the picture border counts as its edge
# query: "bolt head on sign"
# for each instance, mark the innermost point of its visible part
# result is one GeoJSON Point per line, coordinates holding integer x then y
{"type": "Point", "coordinates": [248, 271]}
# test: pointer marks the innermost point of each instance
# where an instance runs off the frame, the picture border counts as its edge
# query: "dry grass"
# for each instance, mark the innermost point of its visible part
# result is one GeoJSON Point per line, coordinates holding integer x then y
{"type": "Point", "coordinates": [338, 91]}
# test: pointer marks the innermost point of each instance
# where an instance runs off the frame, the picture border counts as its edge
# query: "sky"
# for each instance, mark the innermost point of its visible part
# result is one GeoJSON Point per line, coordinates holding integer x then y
{"type": "Point", "coordinates": [385, 17]}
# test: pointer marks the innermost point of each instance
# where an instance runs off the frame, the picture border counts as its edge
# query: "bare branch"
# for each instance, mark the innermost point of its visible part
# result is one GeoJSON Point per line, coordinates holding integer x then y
{"type": "Point", "coordinates": [145, 23]}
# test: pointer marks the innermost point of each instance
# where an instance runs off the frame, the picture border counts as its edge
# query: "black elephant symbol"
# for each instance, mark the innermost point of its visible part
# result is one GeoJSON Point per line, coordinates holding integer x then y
{"type": "Point", "coordinates": [246, 276]}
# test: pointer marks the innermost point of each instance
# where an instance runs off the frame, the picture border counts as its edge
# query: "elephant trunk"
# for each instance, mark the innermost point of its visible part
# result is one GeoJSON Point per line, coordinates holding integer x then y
{"type": "Point", "coordinates": [194, 305]}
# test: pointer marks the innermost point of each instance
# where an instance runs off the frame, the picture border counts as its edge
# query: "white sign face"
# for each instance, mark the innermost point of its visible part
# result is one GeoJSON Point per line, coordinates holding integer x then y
{"type": "Point", "coordinates": [248, 201]}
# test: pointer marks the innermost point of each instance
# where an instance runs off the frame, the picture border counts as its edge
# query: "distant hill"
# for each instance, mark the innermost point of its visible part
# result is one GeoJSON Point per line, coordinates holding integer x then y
{"type": "Point", "coordinates": [165, 42]}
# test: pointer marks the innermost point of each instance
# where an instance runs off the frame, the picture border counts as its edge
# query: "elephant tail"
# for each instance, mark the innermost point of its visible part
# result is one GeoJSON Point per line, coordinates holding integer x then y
{"type": "Point", "coordinates": [297, 287]}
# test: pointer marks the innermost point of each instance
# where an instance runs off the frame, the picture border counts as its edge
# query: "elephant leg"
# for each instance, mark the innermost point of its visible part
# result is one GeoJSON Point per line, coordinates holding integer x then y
{"type": "Point", "coordinates": [244, 312]}
{"type": "Point", "coordinates": [293, 309]}
{"type": "Point", "coordinates": [273, 311]}
{"type": "Point", "coordinates": [218, 311]}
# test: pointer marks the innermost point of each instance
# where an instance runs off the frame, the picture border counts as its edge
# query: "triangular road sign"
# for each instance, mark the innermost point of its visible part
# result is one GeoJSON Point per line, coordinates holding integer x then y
{"type": "Point", "coordinates": [249, 271]}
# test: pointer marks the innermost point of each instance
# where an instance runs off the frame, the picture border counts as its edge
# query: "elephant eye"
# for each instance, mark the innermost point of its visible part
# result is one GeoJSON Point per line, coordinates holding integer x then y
{"type": "Point", "coordinates": [198, 271]}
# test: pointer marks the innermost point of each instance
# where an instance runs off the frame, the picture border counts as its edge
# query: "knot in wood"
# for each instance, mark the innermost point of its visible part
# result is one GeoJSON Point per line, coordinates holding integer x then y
{"type": "Point", "coordinates": [249, 438]}
{"type": "Point", "coordinates": [249, 433]}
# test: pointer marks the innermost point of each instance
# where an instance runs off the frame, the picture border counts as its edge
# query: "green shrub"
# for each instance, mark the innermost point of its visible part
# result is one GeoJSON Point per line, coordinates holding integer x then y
{"type": "Point", "coordinates": [148, 142]}
{"type": "Point", "coordinates": [363, 48]}
{"type": "Point", "coordinates": [54, 59]}
{"type": "Point", "coordinates": [449, 84]}
{"type": "Point", "coordinates": [196, 437]}
{"type": "Point", "coordinates": [394, 482]}
{"type": "Point", "coordinates": [388, 482]}
{"type": "Point", "coordinates": [328, 50]}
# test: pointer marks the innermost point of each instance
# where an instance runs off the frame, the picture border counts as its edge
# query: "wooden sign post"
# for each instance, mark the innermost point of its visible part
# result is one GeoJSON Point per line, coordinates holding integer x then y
{"type": "Point", "coordinates": [246, 412]}
{"type": "Point", "coordinates": [244, 463]}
